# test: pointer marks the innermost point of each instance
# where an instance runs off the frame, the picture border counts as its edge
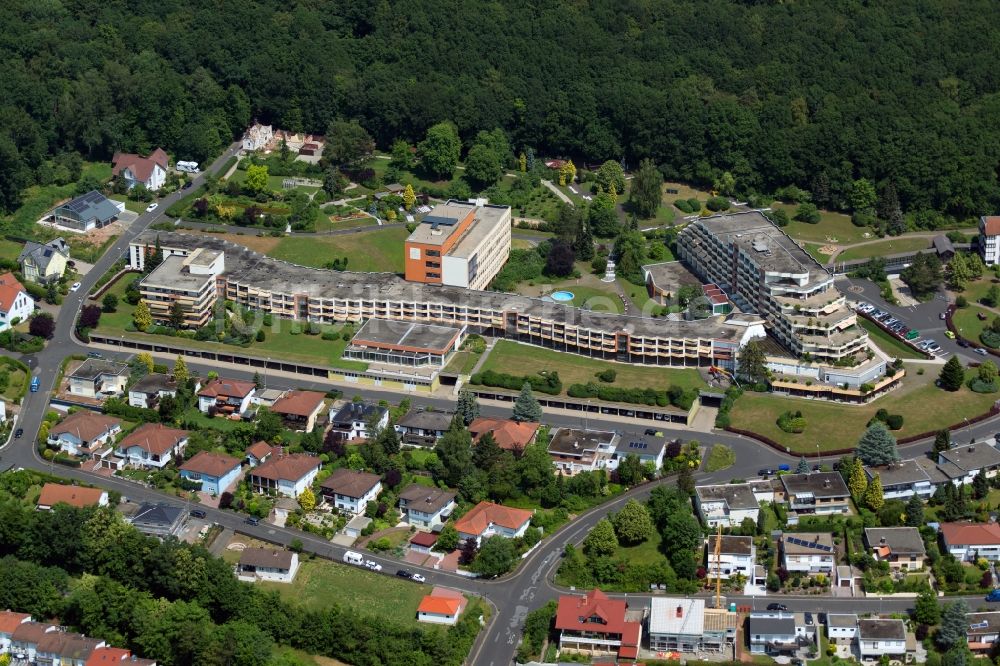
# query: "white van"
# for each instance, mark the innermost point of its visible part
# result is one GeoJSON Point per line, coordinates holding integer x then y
{"type": "Point", "coordinates": [189, 167]}
{"type": "Point", "coordinates": [350, 557]}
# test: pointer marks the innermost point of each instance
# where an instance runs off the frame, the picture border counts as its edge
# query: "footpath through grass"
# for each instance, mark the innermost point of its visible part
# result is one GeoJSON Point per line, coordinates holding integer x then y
{"type": "Point", "coordinates": [886, 247]}
{"type": "Point", "coordinates": [890, 344]}
{"type": "Point", "coordinates": [320, 584]}
{"type": "Point", "coordinates": [519, 359]}
{"type": "Point", "coordinates": [923, 406]}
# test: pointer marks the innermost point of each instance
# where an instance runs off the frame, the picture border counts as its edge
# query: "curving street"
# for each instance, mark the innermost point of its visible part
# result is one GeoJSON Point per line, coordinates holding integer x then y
{"type": "Point", "coordinates": [511, 597]}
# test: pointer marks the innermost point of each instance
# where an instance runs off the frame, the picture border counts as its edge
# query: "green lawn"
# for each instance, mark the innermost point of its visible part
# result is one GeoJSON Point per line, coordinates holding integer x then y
{"type": "Point", "coordinates": [320, 584]}
{"type": "Point", "coordinates": [10, 250]}
{"type": "Point", "coordinates": [279, 341]}
{"type": "Point", "coordinates": [598, 300]}
{"type": "Point", "coordinates": [890, 344]}
{"type": "Point", "coordinates": [37, 199]}
{"type": "Point", "coordinates": [720, 457]}
{"type": "Point", "coordinates": [967, 323]}
{"type": "Point", "coordinates": [274, 183]}
{"type": "Point", "coordinates": [883, 248]}
{"type": "Point", "coordinates": [647, 552]}
{"type": "Point", "coordinates": [924, 407]}
{"type": "Point", "coordinates": [138, 207]}
{"type": "Point", "coordinates": [376, 251]}
{"type": "Point", "coordinates": [380, 165]}
{"type": "Point", "coordinates": [813, 250]}
{"type": "Point", "coordinates": [831, 225]}
{"type": "Point", "coordinates": [462, 362]}
{"type": "Point", "coordinates": [326, 223]}
{"type": "Point", "coordinates": [976, 291]}
{"type": "Point", "coordinates": [517, 359]}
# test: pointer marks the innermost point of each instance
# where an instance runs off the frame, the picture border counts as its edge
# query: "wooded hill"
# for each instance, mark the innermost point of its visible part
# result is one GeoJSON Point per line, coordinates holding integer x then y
{"type": "Point", "coordinates": [814, 93]}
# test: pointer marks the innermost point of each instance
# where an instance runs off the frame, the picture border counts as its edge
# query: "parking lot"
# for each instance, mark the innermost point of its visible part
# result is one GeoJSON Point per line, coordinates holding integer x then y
{"type": "Point", "coordinates": [897, 326]}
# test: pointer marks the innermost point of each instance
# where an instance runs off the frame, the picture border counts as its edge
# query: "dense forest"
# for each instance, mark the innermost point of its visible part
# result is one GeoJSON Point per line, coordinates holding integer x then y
{"type": "Point", "coordinates": [813, 93]}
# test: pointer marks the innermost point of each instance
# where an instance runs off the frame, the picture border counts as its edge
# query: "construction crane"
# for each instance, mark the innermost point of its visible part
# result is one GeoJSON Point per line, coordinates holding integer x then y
{"type": "Point", "coordinates": [718, 567]}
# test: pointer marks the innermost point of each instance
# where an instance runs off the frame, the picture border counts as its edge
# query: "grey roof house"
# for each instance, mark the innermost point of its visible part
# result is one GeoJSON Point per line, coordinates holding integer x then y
{"type": "Point", "coordinates": [44, 262]}
{"type": "Point", "coordinates": [87, 211]}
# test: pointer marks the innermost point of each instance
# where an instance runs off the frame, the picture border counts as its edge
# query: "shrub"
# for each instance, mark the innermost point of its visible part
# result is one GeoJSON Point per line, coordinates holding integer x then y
{"type": "Point", "coordinates": [716, 204]}
{"type": "Point", "coordinates": [549, 384]}
{"type": "Point", "coordinates": [607, 376]}
{"type": "Point", "coordinates": [961, 302]}
{"type": "Point", "coordinates": [791, 422]}
{"type": "Point", "coordinates": [894, 421]}
{"type": "Point", "coordinates": [979, 386]}
{"type": "Point", "coordinates": [683, 206]}
{"type": "Point", "coordinates": [990, 338]}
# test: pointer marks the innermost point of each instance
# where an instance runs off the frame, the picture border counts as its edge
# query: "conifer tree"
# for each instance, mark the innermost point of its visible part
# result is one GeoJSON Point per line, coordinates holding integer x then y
{"type": "Point", "coordinates": [142, 318]}
{"type": "Point", "coordinates": [858, 482]}
{"type": "Point", "coordinates": [874, 498]}
{"type": "Point", "coordinates": [181, 373]}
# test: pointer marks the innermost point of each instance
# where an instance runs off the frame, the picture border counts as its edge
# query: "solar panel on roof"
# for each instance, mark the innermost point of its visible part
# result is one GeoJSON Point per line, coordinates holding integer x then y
{"type": "Point", "coordinates": [979, 625]}
{"type": "Point", "coordinates": [809, 544]}
{"type": "Point", "coordinates": [637, 445]}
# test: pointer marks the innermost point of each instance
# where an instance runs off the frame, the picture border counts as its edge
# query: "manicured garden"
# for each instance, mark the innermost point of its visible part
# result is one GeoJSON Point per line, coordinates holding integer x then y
{"type": "Point", "coordinates": [376, 251]}
{"type": "Point", "coordinates": [968, 324]}
{"type": "Point", "coordinates": [888, 343]}
{"type": "Point", "coordinates": [598, 300]}
{"type": "Point", "coordinates": [831, 225]}
{"type": "Point", "coordinates": [518, 359]}
{"type": "Point", "coordinates": [832, 426]}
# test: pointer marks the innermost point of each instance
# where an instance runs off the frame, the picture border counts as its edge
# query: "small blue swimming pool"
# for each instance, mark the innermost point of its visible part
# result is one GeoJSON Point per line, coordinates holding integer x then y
{"type": "Point", "coordinates": [561, 296]}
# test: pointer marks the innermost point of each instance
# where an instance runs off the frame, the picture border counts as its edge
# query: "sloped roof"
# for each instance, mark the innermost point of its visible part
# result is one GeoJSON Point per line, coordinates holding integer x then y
{"type": "Point", "coordinates": [288, 468]}
{"type": "Point", "coordinates": [227, 388]}
{"type": "Point", "coordinates": [94, 368]}
{"type": "Point", "coordinates": [425, 419]}
{"type": "Point", "coordinates": [991, 225]}
{"type": "Point", "coordinates": [154, 438]}
{"type": "Point", "coordinates": [56, 493]}
{"type": "Point", "coordinates": [9, 289]}
{"type": "Point", "coordinates": [594, 611]}
{"type": "Point", "coordinates": [348, 482]}
{"type": "Point", "coordinates": [299, 403]}
{"type": "Point", "coordinates": [439, 605]}
{"type": "Point", "coordinates": [426, 499]}
{"type": "Point", "coordinates": [509, 435]}
{"type": "Point", "coordinates": [154, 383]}
{"type": "Point", "coordinates": [85, 425]}
{"type": "Point", "coordinates": [108, 655]}
{"type": "Point", "coordinates": [9, 621]}
{"type": "Point", "coordinates": [483, 514]}
{"type": "Point", "coordinates": [899, 540]}
{"type": "Point", "coordinates": [42, 253]}
{"type": "Point", "coordinates": [266, 557]}
{"type": "Point", "coordinates": [141, 167]}
{"type": "Point", "coordinates": [971, 534]}
{"type": "Point", "coordinates": [211, 463]}
{"type": "Point", "coordinates": [259, 450]}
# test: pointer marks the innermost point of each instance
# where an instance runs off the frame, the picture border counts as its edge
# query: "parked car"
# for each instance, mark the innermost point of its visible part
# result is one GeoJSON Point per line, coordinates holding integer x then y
{"type": "Point", "coordinates": [198, 513]}
{"type": "Point", "coordinates": [403, 573]}
{"type": "Point", "coordinates": [251, 520]}
{"type": "Point", "coordinates": [76, 285]}
{"type": "Point", "coordinates": [373, 565]}
{"type": "Point", "coordinates": [942, 316]}
{"type": "Point", "coordinates": [35, 384]}
{"type": "Point", "coordinates": [417, 578]}
{"type": "Point", "coordinates": [934, 347]}
{"type": "Point", "coordinates": [784, 468]}
{"type": "Point", "coordinates": [18, 433]}
{"type": "Point", "coordinates": [765, 472]}
{"type": "Point", "coordinates": [94, 355]}
{"type": "Point", "coordinates": [962, 342]}
{"type": "Point", "coordinates": [981, 351]}
{"type": "Point", "coordinates": [777, 607]}
{"type": "Point", "coordinates": [993, 596]}
{"type": "Point", "coordinates": [949, 335]}
{"type": "Point", "coordinates": [817, 467]}
{"type": "Point", "coordinates": [652, 432]}
{"type": "Point", "coordinates": [187, 185]}
{"type": "Point", "coordinates": [151, 207]}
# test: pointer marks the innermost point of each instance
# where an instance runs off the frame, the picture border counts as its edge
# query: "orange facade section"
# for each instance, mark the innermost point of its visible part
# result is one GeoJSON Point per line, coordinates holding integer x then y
{"type": "Point", "coordinates": [423, 260]}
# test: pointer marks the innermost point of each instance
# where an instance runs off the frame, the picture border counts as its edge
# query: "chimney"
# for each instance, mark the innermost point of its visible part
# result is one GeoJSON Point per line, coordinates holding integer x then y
{"type": "Point", "coordinates": [882, 541]}
{"type": "Point", "coordinates": [680, 611]}
{"type": "Point", "coordinates": [971, 448]}
{"type": "Point", "coordinates": [826, 483]}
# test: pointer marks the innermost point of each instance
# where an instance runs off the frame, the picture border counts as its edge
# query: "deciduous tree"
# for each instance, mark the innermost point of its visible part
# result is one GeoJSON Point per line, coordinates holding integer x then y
{"type": "Point", "coordinates": [142, 318]}
{"type": "Point", "coordinates": [602, 541]}
{"type": "Point", "coordinates": [307, 499]}
{"type": "Point", "coordinates": [753, 362]}
{"type": "Point", "coordinates": [874, 498]}
{"type": "Point", "coordinates": [256, 179]}
{"type": "Point", "coordinates": [645, 195]}
{"type": "Point", "coordinates": [440, 150]}
{"type": "Point", "coordinates": [858, 480]}
{"type": "Point", "coordinates": [632, 524]}
{"type": "Point", "coordinates": [347, 144]}
{"type": "Point", "coordinates": [181, 374]}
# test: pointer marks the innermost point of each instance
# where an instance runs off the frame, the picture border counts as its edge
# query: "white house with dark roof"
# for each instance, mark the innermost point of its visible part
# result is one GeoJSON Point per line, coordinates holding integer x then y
{"type": "Point", "coordinates": [146, 392]}
{"type": "Point", "coordinates": [649, 450]}
{"type": "Point", "coordinates": [423, 427]}
{"type": "Point", "coordinates": [816, 493]}
{"type": "Point", "coordinates": [726, 504]}
{"type": "Point", "coordinates": [424, 506]}
{"type": "Point", "coordinates": [267, 564]}
{"type": "Point", "coordinates": [881, 636]}
{"type": "Point", "coordinates": [737, 556]}
{"type": "Point", "coordinates": [962, 463]}
{"type": "Point", "coordinates": [808, 552]}
{"type": "Point", "coordinates": [97, 378]}
{"type": "Point", "coordinates": [774, 633]}
{"type": "Point", "coordinates": [983, 631]}
{"type": "Point", "coordinates": [904, 478]}
{"type": "Point", "coordinates": [841, 628]}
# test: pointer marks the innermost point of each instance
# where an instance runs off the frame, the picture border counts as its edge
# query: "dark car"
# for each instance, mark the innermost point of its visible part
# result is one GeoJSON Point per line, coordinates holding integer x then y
{"type": "Point", "coordinates": [651, 432]}
{"type": "Point", "coordinates": [252, 521]}
{"type": "Point", "coordinates": [817, 467]}
{"type": "Point", "coordinates": [403, 573]}
{"type": "Point", "coordinates": [198, 513]}
{"type": "Point", "coordinates": [777, 607]}
{"type": "Point", "coordinates": [765, 472]}
{"type": "Point", "coordinates": [187, 185]}
{"type": "Point", "coordinates": [962, 342]}
{"type": "Point", "coordinates": [94, 355]}
{"type": "Point", "coordinates": [18, 433]}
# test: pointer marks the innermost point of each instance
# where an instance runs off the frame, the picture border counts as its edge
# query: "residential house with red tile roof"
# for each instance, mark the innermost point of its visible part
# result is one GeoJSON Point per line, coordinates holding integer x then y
{"type": "Point", "coordinates": [487, 519]}
{"type": "Point", "coordinates": [226, 396]}
{"type": "Point", "coordinates": [26, 636]}
{"type": "Point", "coordinates": [75, 496]}
{"type": "Point", "coordinates": [215, 471]}
{"type": "Point", "coordinates": [283, 474]}
{"type": "Point", "coordinates": [299, 410]}
{"type": "Point", "coordinates": [970, 541]}
{"type": "Point", "coordinates": [108, 656]}
{"type": "Point", "coordinates": [441, 606]}
{"type": "Point", "coordinates": [150, 171]}
{"type": "Point", "coordinates": [258, 452]}
{"type": "Point", "coordinates": [509, 435]}
{"type": "Point", "coordinates": [152, 445]}
{"type": "Point", "coordinates": [84, 432]}
{"type": "Point", "coordinates": [9, 621]}
{"type": "Point", "coordinates": [15, 303]}
{"type": "Point", "coordinates": [66, 648]}
{"type": "Point", "coordinates": [596, 625]}
{"type": "Point", "coordinates": [989, 239]}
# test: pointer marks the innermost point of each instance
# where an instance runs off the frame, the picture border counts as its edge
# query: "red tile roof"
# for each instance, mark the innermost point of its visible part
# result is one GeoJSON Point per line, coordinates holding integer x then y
{"type": "Point", "coordinates": [56, 493]}
{"type": "Point", "coordinates": [85, 425]}
{"type": "Point", "coordinates": [107, 655]}
{"type": "Point", "coordinates": [141, 167]}
{"type": "Point", "coordinates": [227, 388]}
{"type": "Point", "coordinates": [288, 468]}
{"type": "Point", "coordinates": [479, 518]}
{"type": "Point", "coordinates": [971, 534]}
{"type": "Point", "coordinates": [9, 621]}
{"type": "Point", "coordinates": [991, 225]}
{"type": "Point", "coordinates": [440, 605]}
{"type": "Point", "coordinates": [299, 403]}
{"type": "Point", "coordinates": [211, 464]}
{"type": "Point", "coordinates": [154, 438]}
{"type": "Point", "coordinates": [593, 612]}
{"type": "Point", "coordinates": [510, 435]}
{"type": "Point", "coordinates": [425, 539]}
{"type": "Point", "coordinates": [9, 289]}
{"type": "Point", "coordinates": [259, 450]}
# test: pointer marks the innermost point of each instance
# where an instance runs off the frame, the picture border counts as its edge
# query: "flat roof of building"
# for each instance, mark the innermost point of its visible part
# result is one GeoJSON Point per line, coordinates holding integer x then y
{"type": "Point", "coordinates": [842, 620]}
{"type": "Point", "coordinates": [731, 545]}
{"type": "Point", "coordinates": [677, 616]}
{"type": "Point", "coordinates": [94, 368]}
{"type": "Point", "coordinates": [882, 628]}
{"type": "Point", "coordinates": [669, 275]}
{"type": "Point", "coordinates": [486, 220]}
{"type": "Point", "coordinates": [406, 336]}
{"type": "Point", "coordinates": [576, 440]}
{"type": "Point", "coordinates": [808, 543]}
{"type": "Point", "coordinates": [442, 222]}
{"type": "Point", "coordinates": [818, 484]}
{"type": "Point", "coordinates": [259, 272]}
{"type": "Point", "coordinates": [174, 274]}
{"type": "Point", "coordinates": [736, 495]}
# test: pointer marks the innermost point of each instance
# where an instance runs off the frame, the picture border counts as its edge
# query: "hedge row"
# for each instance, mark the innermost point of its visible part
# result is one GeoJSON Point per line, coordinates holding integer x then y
{"type": "Point", "coordinates": [549, 384]}
{"type": "Point", "coordinates": [674, 395]}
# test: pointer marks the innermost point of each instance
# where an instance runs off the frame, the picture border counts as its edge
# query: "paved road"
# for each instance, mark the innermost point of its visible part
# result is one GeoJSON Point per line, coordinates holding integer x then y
{"type": "Point", "coordinates": [512, 597]}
